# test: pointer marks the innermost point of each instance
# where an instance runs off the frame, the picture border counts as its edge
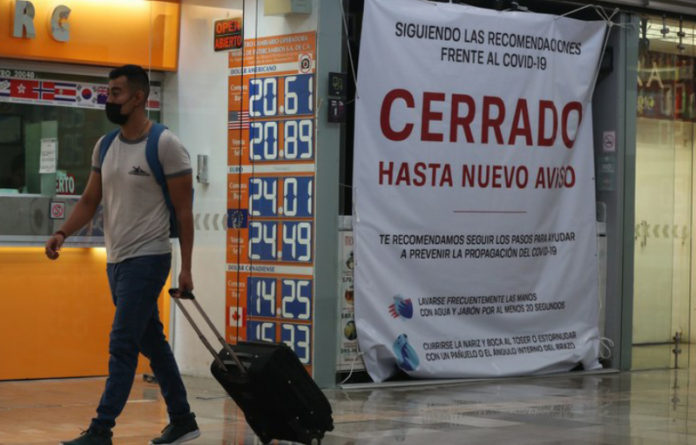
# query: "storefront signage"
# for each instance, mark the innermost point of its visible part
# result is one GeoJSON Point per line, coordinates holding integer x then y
{"type": "Point", "coordinates": [228, 34]}
{"type": "Point", "coordinates": [29, 87]}
{"type": "Point", "coordinates": [474, 192]}
{"type": "Point", "coordinates": [665, 86]}
{"type": "Point", "coordinates": [49, 155]}
{"type": "Point", "coordinates": [104, 33]}
{"type": "Point", "coordinates": [348, 350]}
{"type": "Point", "coordinates": [271, 154]}
{"type": "Point", "coordinates": [65, 183]}
{"type": "Point", "coordinates": [24, 21]}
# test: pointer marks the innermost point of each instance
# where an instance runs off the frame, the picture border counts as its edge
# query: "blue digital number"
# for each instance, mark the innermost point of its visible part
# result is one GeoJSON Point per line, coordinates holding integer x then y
{"type": "Point", "coordinates": [263, 141]}
{"type": "Point", "coordinates": [299, 94]}
{"type": "Point", "coordinates": [263, 196]}
{"type": "Point", "coordinates": [262, 240]}
{"type": "Point", "coordinates": [296, 299]}
{"type": "Point", "coordinates": [297, 196]}
{"type": "Point", "coordinates": [261, 296]}
{"type": "Point", "coordinates": [297, 337]}
{"type": "Point", "coordinates": [261, 331]}
{"type": "Point", "coordinates": [263, 97]}
{"type": "Point", "coordinates": [297, 241]}
{"type": "Point", "coordinates": [298, 138]}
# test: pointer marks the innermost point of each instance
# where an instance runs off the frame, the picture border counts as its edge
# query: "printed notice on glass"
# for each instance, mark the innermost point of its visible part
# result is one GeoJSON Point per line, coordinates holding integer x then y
{"type": "Point", "coordinates": [49, 155]}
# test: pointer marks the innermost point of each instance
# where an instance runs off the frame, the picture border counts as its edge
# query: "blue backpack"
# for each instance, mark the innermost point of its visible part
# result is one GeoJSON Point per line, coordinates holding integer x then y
{"type": "Point", "coordinates": [153, 162]}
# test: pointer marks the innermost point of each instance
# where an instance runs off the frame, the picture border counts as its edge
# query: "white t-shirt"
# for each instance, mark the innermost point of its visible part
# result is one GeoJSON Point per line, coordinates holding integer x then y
{"type": "Point", "coordinates": [136, 217]}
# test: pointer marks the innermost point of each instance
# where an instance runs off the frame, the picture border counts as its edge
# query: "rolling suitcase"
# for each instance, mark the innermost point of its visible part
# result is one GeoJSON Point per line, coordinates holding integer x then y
{"type": "Point", "coordinates": [269, 384]}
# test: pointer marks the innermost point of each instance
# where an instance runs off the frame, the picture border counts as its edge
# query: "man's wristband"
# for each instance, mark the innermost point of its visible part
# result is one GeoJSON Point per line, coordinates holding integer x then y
{"type": "Point", "coordinates": [60, 232]}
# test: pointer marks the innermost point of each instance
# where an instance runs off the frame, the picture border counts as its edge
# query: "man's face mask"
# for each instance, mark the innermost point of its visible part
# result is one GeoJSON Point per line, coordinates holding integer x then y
{"type": "Point", "coordinates": [113, 113]}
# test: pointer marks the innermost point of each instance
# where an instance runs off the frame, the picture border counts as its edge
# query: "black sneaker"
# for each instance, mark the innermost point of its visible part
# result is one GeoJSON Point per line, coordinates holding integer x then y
{"type": "Point", "coordinates": [178, 432]}
{"type": "Point", "coordinates": [93, 436]}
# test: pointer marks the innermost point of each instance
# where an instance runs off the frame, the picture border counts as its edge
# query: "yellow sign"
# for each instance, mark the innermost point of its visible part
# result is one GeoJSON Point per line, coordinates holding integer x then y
{"type": "Point", "coordinates": [108, 32]}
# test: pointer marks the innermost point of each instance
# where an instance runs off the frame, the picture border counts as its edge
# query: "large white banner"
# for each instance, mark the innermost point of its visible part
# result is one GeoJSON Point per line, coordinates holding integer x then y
{"type": "Point", "coordinates": [475, 248]}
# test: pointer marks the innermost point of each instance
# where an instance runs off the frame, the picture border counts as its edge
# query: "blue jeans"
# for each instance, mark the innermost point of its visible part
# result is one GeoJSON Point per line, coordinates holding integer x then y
{"type": "Point", "coordinates": [135, 286]}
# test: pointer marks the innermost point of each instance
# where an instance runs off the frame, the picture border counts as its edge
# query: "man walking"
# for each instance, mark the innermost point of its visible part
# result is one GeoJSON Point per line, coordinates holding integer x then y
{"type": "Point", "coordinates": [136, 229]}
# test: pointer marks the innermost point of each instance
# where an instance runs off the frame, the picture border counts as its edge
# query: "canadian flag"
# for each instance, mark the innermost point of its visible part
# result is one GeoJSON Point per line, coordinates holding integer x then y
{"type": "Point", "coordinates": [237, 316]}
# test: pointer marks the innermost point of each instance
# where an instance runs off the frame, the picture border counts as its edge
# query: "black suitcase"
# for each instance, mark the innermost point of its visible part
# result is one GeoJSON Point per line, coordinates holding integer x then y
{"type": "Point", "coordinates": [269, 384]}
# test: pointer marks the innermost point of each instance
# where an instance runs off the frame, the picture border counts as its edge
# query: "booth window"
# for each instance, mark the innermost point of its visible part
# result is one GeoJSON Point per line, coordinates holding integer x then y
{"type": "Point", "coordinates": [12, 158]}
{"type": "Point", "coordinates": [66, 108]}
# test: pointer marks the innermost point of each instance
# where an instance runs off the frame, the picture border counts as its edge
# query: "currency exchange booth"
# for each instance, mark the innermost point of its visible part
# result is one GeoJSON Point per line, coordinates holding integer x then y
{"type": "Point", "coordinates": [253, 123]}
{"type": "Point", "coordinates": [54, 59]}
{"type": "Point", "coordinates": [269, 128]}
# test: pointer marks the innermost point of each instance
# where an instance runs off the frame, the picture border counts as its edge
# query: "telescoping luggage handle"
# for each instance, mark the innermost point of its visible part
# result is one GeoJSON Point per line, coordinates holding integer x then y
{"type": "Point", "coordinates": [186, 295]}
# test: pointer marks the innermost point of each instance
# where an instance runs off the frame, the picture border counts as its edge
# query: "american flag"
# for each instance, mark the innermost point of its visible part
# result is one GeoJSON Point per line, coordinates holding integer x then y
{"type": "Point", "coordinates": [238, 120]}
{"type": "Point", "coordinates": [64, 91]}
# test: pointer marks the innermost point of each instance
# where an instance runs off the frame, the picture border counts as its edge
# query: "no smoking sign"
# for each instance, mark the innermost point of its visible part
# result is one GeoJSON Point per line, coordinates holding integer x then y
{"type": "Point", "coordinates": [609, 141]}
{"type": "Point", "coordinates": [57, 210]}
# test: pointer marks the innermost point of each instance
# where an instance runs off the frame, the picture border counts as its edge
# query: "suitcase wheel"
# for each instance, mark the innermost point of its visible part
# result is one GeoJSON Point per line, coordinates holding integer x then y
{"type": "Point", "coordinates": [315, 439]}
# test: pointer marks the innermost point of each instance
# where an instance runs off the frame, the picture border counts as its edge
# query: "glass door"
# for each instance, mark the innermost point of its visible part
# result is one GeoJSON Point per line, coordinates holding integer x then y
{"type": "Point", "coordinates": [664, 190]}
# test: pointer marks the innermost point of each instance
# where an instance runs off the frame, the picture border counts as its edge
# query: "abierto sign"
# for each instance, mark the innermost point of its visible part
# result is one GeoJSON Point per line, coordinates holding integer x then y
{"type": "Point", "coordinates": [228, 34]}
{"type": "Point", "coordinates": [475, 243]}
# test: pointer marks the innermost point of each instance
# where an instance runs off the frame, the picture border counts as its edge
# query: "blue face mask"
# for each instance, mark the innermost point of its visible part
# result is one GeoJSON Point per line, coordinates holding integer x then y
{"type": "Point", "coordinates": [113, 113]}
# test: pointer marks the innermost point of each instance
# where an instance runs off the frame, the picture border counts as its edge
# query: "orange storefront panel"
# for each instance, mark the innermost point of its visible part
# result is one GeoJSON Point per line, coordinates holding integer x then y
{"type": "Point", "coordinates": [105, 32]}
{"type": "Point", "coordinates": [55, 316]}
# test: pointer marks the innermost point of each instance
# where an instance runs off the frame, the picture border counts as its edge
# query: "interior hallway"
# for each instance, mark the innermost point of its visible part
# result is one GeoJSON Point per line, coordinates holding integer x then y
{"type": "Point", "coordinates": [642, 407]}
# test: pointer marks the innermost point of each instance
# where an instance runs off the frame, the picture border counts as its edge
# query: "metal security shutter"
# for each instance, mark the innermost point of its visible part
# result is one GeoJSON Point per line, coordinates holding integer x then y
{"type": "Point", "coordinates": [675, 6]}
{"type": "Point", "coordinates": [670, 7]}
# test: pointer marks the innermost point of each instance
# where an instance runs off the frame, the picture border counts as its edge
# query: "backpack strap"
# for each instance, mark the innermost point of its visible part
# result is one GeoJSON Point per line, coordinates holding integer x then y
{"type": "Point", "coordinates": [152, 156]}
{"type": "Point", "coordinates": [105, 144]}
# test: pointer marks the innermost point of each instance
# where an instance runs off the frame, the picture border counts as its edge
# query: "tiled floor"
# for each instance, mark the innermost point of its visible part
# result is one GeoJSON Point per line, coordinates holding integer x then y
{"type": "Point", "coordinates": [644, 407]}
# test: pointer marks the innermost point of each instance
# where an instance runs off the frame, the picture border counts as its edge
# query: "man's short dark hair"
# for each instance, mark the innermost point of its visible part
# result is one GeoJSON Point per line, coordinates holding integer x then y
{"type": "Point", "coordinates": [136, 76]}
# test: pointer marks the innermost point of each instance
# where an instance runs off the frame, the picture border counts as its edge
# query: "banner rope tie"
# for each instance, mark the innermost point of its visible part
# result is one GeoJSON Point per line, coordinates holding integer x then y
{"type": "Point", "coordinates": [350, 52]}
{"type": "Point", "coordinates": [605, 345]}
{"type": "Point", "coordinates": [352, 367]}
